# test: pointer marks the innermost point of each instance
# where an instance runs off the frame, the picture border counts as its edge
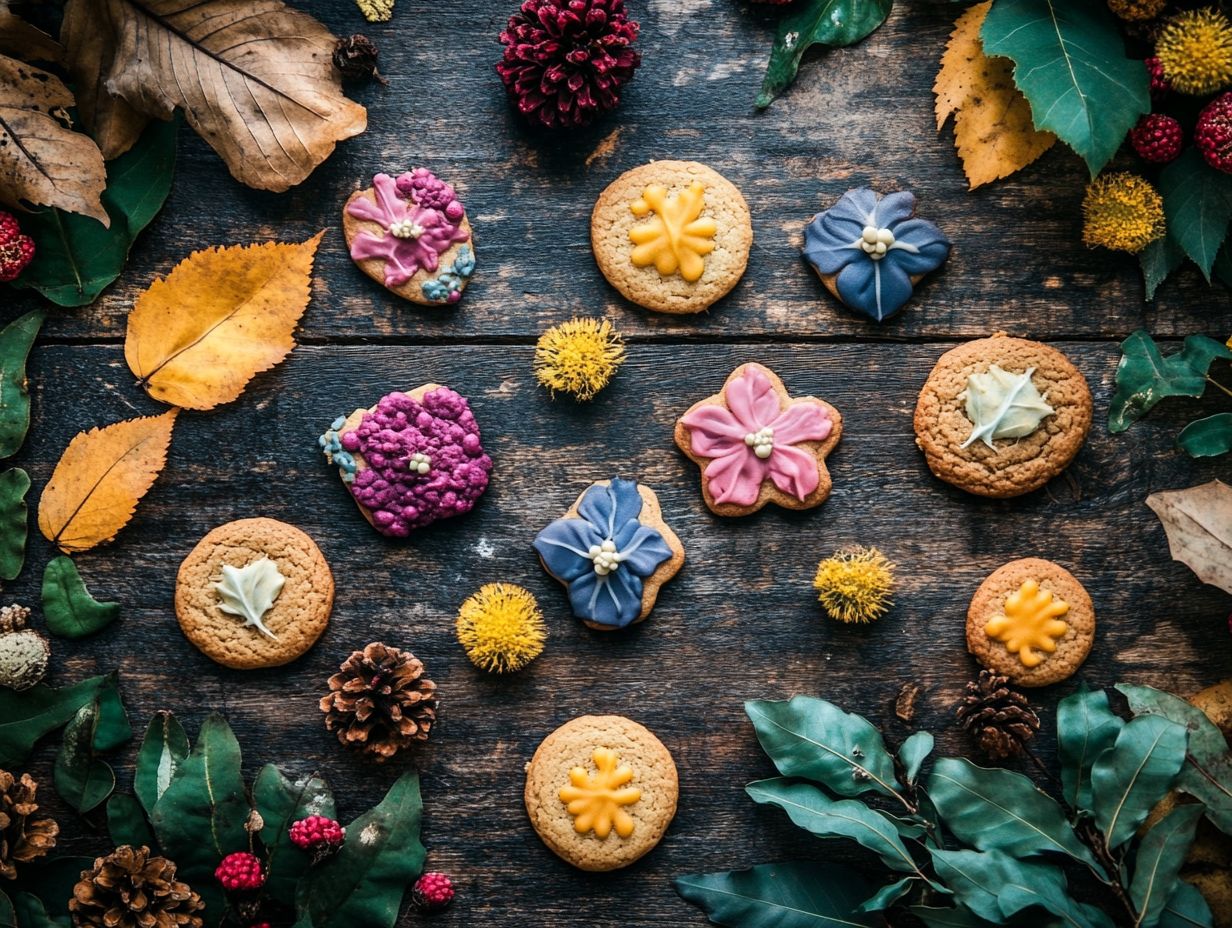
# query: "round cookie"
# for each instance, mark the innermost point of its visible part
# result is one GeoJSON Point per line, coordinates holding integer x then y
{"type": "Point", "coordinates": [254, 593]}
{"type": "Point", "coordinates": [672, 236]}
{"type": "Point", "coordinates": [1031, 621]}
{"type": "Point", "coordinates": [1033, 407]}
{"type": "Point", "coordinates": [601, 774]}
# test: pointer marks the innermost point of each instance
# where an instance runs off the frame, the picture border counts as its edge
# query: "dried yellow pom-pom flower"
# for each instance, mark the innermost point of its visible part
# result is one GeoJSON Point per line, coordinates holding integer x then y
{"type": "Point", "coordinates": [1137, 10]}
{"type": "Point", "coordinates": [501, 627]}
{"type": "Point", "coordinates": [579, 357]}
{"type": "Point", "coordinates": [854, 585]}
{"type": "Point", "coordinates": [376, 11]}
{"type": "Point", "coordinates": [1122, 211]}
{"type": "Point", "coordinates": [1195, 50]}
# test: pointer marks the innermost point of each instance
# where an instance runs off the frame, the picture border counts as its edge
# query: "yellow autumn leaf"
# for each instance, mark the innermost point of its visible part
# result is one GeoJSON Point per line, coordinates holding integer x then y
{"type": "Point", "coordinates": [100, 477]}
{"type": "Point", "coordinates": [993, 129]}
{"type": "Point", "coordinates": [223, 315]}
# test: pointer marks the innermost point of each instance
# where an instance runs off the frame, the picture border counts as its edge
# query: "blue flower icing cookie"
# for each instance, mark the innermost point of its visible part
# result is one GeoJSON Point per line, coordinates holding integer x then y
{"type": "Point", "coordinates": [612, 551]}
{"type": "Point", "coordinates": [870, 251]}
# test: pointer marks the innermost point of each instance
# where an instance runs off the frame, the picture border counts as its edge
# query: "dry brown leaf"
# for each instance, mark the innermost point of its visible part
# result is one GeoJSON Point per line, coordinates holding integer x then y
{"type": "Point", "coordinates": [100, 477]}
{"type": "Point", "coordinates": [19, 38]}
{"type": "Point", "coordinates": [993, 128]}
{"type": "Point", "coordinates": [220, 317]}
{"type": "Point", "coordinates": [1198, 522]}
{"type": "Point", "coordinates": [254, 78]}
{"type": "Point", "coordinates": [112, 123]}
{"type": "Point", "coordinates": [42, 161]}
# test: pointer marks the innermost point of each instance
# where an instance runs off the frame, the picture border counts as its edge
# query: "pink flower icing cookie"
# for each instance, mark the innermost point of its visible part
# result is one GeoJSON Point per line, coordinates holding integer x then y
{"type": "Point", "coordinates": [411, 234]}
{"type": "Point", "coordinates": [757, 444]}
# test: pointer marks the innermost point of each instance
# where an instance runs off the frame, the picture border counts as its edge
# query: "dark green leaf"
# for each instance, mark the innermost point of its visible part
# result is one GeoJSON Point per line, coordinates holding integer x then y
{"type": "Point", "coordinates": [15, 341]}
{"type": "Point", "coordinates": [8, 919]}
{"type": "Point", "coordinates": [1159, 259]}
{"type": "Point", "coordinates": [26, 717]}
{"type": "Point", "coordinates": [162, 752]}
{"type": "Point", "coordinates": [913, 752]}
{"type": "Point", "coordinates": [1001, 810]}
{"type": "Point", "coordinates": [53, 882]}
{"type": "Point", "coordinates": [1070, 63]}
{"type": "Point", "coordinates": [811, 738]}
{"type": "Point", "coordinates": [77, 258]}
{"type": "Point", "coordinates": [126, 823]}
{"type": "Point", "coordinates": [1086, 727]}
{"type": "Point", "coordinates": [1197, 206]}
{"type": "Point", "coordinates": [282, 802]}
{"type": "Point", "coordinates": [1157, 864]}
{"type": "Point", "coordinates": [364, 882]}
{"type": "Point", "coordinates": [1131, 776]}
{"type": "Point", "coordinates": [14, 483]}
{"type": "Point", "coordinates": [934, 917]}
{"type": "Point", "coordinates": [1144, 376]}
{"type": "Point", "coordinates": [1208, 437]}
{"type": "Point", "coordinates": [817, 22]}
{"type": "Point", "coordinates": [31, 913]}
{"type": "Point", "coordinates": [82, 780]}
{"type": "Point", "coordinates": [888, 895]}
{"type": "Point", "coordinates": [797, 894]}
{"type": "Point", "coordinates": [113, 727]}
{"type": "Point", "coordinates": [1187, 908]}
{"type": "Point", "coordinates": [1223, 266]}
{"type": "Point", "coordinates": [68, 607]}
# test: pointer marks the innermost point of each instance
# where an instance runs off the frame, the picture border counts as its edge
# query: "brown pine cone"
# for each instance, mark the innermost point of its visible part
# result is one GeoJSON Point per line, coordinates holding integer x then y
{"type": "Point", "coordinates": [997, 716]}
{"type": "Point", "coordinates": [22, 836]}
{"type": "Point", "coordinates": [130, 888]}
{"type": "Point", "coordinates": [380, 701]}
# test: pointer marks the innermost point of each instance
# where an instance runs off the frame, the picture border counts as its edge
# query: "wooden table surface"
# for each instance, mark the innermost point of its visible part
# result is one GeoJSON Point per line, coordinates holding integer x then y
{"type": "Point", "coordinates": [741, 620]}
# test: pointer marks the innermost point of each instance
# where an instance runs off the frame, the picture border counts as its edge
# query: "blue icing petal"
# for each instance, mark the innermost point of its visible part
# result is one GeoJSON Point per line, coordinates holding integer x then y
{"type": "Point", "coordinates": [857, 206]}
{"type": "Point", "coordinates": [644, 552]}
{"type": "Point", "coordinates": [464, 263]}
{"type": "Point", "coordinates": [827, 250]}
{"type": "Point", "coordinates": [563, 545]}
{"type": "Point", "coordinates": [919, 247]}
{"type": "Point", "coordinates": [609, 508]}
{"type": "Point", "coordinates": [614, 600]}
{"type": "Point", "coordinates": [894, 208]}
{"type": "Point", "coordinates": [877, 289]}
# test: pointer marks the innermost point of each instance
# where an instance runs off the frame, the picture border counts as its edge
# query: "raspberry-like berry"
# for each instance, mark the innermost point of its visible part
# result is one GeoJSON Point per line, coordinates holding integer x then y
{"type": "Point", "coordinates": [1213, 133]}
{"type": "Point", "coordinates": [316, 829]}
{"type": "Point", "coordinates": [240, 871]}
{"type": "Point", "coordinates": [432, 892]}
{"type": "Point", "coordinates": [16, 249]}
{"type": "Point", "coordinates": [1160, 85]}
{"type": "Point", "coordinates": [1157, 138]}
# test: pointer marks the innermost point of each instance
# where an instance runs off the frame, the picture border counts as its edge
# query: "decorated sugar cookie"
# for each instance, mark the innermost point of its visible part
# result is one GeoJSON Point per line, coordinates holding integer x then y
{"type": "Point", "coordinates": [1002, 416]}
{"type": "Point", "coordinates": [1031, 621]}
{"type": "Point", "coordinates": [755, 444]}
{"type": "Point", "coordinates": [411, 235]}
{"type": "Point", "coordinates": [870, 251]}
{"type": "Point", "coordinates": [411, 459]}
{"type": "Point", "coordinates": [612, 551]}
{"type": "Point", "coordinates": [672, 236]}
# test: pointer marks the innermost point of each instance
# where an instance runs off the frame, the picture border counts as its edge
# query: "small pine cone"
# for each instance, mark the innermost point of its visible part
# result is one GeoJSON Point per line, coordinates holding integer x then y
{"type": "Point", "coordinates": [131, 888]}
{"type": "Point", "coordinates": [1157, 138]}
{"type": "Point", "coordinates": [998, 717]}
{"type": "Point", "coordinates": [13, 618]}
{"type": "Point", "coordinates": [1213, 133]}
{"type": "Point", "coordinates": [356, 57]}
{"type": "Point", "coordinates": [380, 701]}
{"type": "Point", "coordinates": [23, 837]}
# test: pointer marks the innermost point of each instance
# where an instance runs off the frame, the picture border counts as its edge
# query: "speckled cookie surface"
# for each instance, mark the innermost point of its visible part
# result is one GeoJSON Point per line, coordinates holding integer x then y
{"type": "Point", "coordinates": [573, 745]}
{"type": "Point", "coordinates": [1013, 466]}
{"type": "Point", "coordinates": [612, 220]}
{"type": "Point", "coordinates": [990, 600]}
{"type": "Point", "coordinates": [298, 615]}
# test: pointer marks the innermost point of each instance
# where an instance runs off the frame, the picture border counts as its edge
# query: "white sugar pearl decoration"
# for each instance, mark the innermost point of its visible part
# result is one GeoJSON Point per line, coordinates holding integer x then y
{"type": "Point", "coordinates": [420, 463]}
{"type": "Point", "coordinates": [761, 441]}
{"type": "Point", "coordinates": [406, 228]}
{"type": "Point", "coordinates": [605, 556]}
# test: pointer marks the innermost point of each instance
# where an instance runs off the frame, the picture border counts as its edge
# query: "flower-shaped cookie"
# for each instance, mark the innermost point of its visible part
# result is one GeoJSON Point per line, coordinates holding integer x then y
{"type": "Point", "coordinates": [870, 252]}
{"type": "Point", "coordinates": [756, 444]}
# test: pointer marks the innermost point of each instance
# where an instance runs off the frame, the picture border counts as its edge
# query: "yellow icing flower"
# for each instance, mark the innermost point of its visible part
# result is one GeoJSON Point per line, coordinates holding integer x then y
{"type": "Point", "coordinates": [675, 238]}
{"type": "Point", "coordinates": [595, 802]}
{"type": "Point", "coordinates": [1030, 623]}
{"type": "Point", "coordinates": [578, 357]}
{"type": "Point", "coordinates": [501, 627]}
{"type": "Point", "coordinates": [854, 585]}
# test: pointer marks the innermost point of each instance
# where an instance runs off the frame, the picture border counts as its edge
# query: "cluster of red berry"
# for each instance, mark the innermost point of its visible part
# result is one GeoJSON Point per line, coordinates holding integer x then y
{"type": "Point", "coordinates": [1159, 138]}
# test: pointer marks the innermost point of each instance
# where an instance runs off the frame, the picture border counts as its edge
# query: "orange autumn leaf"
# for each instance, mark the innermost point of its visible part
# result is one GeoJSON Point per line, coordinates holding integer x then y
{"type": "Point", "coordinates": [994, 131]}
{"type": "Point", "coordinates": [223, 315]}
{"type": "Point", "coordinates": [100, 477]}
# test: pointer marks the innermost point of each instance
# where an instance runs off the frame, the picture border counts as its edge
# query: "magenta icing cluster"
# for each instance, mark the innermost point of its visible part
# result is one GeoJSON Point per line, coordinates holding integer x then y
{"type": "Point", "coordinates": [424, 460]}
{"type": "Point", "coordinates": [430, 192]}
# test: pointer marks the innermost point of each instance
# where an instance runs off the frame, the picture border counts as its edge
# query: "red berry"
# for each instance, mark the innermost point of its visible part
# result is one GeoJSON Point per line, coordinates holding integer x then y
{"type": "Point", "coordinates": [1157, 138]}
{"type": "Point", "coordinates": [1213, 133]}
{"type": "Point", "coordinates": [16, 249]}
{"type": "Point", "coordinates": [240, 871]}
{"type": "Point", "coordinates": [316, 830]}
{"type": "Point", "coordinates": [432, 892]}
{"type": "Point", "coordinates": [1160, 85]}
{"type": "Point", "coordinates": [260, 925]}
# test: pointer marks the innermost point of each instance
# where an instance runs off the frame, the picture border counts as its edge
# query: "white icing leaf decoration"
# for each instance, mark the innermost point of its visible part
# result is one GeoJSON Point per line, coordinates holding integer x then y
{"type": "Point", "coordinates": [1003, 405]}
{"type": "Point", "coordinates": [248, 592]}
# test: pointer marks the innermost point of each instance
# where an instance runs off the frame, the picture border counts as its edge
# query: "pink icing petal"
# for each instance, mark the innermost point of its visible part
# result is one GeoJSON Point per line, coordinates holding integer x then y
{"type": "Point", "coordinates": [801, 422]}
{"type": "Point", "coordinates": [713, 431]}
{"type": "Point", "coordinates": [793, 471]}
{"type": "Point", "coordinates": [736, 478]}
{"type": "Point", "coordinates": [752, 398]}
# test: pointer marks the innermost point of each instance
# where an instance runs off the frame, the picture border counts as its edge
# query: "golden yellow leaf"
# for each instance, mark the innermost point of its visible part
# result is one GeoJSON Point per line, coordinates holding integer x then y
{"type": "Point", "coordinates": [223, 315]}
{"type": "Point", "coordinates": [100, 477]}
{"type": "Point", "coordinates": [993, 129]}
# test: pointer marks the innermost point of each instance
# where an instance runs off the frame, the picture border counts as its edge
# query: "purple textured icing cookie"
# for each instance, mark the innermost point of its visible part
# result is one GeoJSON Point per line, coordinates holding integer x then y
{"type": "Point", "coordinates": [411, 459]}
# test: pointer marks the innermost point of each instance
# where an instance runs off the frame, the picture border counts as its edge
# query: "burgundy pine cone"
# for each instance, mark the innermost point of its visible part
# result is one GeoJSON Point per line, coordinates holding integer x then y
{"type": "Point", "coordinates": [1157, 138]}
{"type": "Point", "coordinates": [1213, 133]}
{"type": "Point", "coordinates": [566, 60]}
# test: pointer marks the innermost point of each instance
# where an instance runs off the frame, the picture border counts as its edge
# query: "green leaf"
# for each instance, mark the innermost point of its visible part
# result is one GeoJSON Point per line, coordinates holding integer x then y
{"type": "Point", "coordinates": [1197, 206]}
{"type": "Point", "coordinates": [1086, 727]}
{"type": "Point", "coordinates": [28, 716]}
{"type": "Point", "coordinates": [1208, 437]}
{"type": "Point", "coordinates": [1207, 774]}
{"type": "Point", "coordinates": [1158, 260]}
{"type": "Point", "coordinates": [68, 607]}
{"type": "Point", "coordinates": [30, 913]}
{"type": "Point", "coordinates": [77, 258]}
{"type": "Point", "coordinates": [15, 341]}
{"type": "Point", "coordinates": [14, 484]}
{"type": "Point", "coordinates": [1187, 908]}
{"type": "Point", "coordinates": [53, 882]}
{"type": "Point", "coordinates": [126, 823]}
{"type": "Point", "coordinates": [816, 22]}
{"type": "Point", "coordinates": [935, 917]}
{"type": "Point", "coordinates": [82, 780]}
{"type": "Point", "coordinates": [888, 895]}
{"type": "Point", "coordinates": [8, 919]}
{"type": "Point", "coordinates": [811, 738]}
{"type": "Point", "coordinates": [1001, 810]}
{"type": "Point", "coordinates": [282, 802]}
{"type": "Point", "coordinates": [1070, 64]}
{"type": "Point", "coordinates": [797, 894]}
{"type": "Point", "coordinates": [1157, 865]}
{"type": "Point", "coordinates": [163, 751]}
{"type": "Point", "coordinates": [363, 883]}
{"type": "Point", "coordinates": [113, 728]}
{"type": "Point", "coordinates": [1131, 776]}
{"type": "Point", "coordinates": [1144, 376]}
{"type": "Point", "coordinates": [913, 752]}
